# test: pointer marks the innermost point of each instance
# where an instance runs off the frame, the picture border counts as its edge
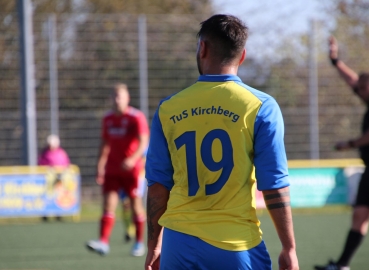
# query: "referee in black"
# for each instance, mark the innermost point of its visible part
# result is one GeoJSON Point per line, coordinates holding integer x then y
{"type": "Point", "coordinates": [359, 83]}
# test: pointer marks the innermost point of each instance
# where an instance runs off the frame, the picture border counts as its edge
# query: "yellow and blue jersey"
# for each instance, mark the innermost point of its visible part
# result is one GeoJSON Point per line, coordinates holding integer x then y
{"type": "Point", "coordinates": [211, 144]}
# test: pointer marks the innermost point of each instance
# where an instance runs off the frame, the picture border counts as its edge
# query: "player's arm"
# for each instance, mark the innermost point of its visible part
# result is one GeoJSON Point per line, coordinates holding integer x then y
{"type": "Point", "coordinates": [278, 204]}
{"type": "Point", "coordinates": [354, 143]}
{"type": "Point", "coordinates": [350, 76]}
{"type": "Point", "coordinates": [159, 175]}
{"type": "Point", "coordinates": [142, 130]}
{"type": "Point", "coordinates": [104, 150]}
{"type": "Point", "coordinates": [157, 199]}
{"type": "Point", "coordinates": [131, 161]}
{"type": "Point", "coordinates": [271, 172]}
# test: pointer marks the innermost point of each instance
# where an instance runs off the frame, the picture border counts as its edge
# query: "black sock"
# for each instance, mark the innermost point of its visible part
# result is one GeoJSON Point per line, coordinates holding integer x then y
{"type": "Point", "coordinates": [353, 241]}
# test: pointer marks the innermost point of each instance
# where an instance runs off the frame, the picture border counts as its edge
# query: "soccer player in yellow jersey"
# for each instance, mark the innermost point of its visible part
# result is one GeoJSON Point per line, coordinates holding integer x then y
{"type": "Point", "coordinates": [211, 145]}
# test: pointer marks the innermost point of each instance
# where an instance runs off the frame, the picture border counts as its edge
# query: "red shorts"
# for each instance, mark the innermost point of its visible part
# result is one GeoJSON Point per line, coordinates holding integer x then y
{"type": "Point", "coordinates": [126, 181]}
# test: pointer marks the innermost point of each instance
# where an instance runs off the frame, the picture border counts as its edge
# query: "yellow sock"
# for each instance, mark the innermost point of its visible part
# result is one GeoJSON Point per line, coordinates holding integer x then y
{"type": "Point", "coordinates": [129, 226]}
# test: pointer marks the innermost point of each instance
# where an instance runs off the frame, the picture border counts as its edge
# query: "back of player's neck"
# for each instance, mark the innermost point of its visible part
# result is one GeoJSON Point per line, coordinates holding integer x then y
{"type": "Point", "coordinates": [220, 70]}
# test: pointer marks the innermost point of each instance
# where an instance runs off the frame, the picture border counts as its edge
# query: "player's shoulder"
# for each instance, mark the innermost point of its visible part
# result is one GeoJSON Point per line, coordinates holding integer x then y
{"type": "Point", "coordinates": [108, 114]}
{"type": "Point", "coordinates": [261, 96]}
{"type": "Point", "coordinates": [135, 113]}
{"type": "Point", "coordinates": [173, 97]}
{"type": "Point", "coordinates": [132, 111]}
{"type": "Point", "coordinates": [166, 99]}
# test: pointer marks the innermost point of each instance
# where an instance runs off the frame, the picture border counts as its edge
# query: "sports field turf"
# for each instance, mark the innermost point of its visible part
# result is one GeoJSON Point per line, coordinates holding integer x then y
{"type": "Point", "coordinates": [53, 245]}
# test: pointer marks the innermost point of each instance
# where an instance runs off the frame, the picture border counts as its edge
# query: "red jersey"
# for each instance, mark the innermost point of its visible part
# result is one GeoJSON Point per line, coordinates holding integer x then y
{"type": "Point", "coordinates": [121, 132]}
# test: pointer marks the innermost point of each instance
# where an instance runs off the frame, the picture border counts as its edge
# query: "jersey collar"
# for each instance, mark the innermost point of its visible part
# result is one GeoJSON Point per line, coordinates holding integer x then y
{"type": "Point", "coordinates": [218, 78]}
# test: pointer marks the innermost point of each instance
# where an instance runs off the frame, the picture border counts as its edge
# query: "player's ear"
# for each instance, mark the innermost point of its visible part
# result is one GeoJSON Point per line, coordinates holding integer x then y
{"type": "Point", "coordinates": [203, 49]}
{"type": "Point", "coordinates": [243, 57]}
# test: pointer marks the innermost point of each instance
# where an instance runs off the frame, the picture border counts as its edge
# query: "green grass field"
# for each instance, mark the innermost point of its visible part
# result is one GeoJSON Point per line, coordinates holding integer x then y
{"type": "Point", "coordinates": [53, 245]}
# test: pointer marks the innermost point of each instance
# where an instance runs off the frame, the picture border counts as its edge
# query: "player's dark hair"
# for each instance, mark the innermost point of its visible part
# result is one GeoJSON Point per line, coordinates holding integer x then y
{"type": "Point", "coordinates": [226, 36]}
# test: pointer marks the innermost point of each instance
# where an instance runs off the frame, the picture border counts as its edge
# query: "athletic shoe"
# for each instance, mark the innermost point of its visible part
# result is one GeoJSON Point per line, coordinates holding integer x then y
{"type": "Point", "coordinates": [138, 249]}
{"type": "Point", "coordinates": [331, 266]}
{"type": "Point", "coordinates": [98, 247]}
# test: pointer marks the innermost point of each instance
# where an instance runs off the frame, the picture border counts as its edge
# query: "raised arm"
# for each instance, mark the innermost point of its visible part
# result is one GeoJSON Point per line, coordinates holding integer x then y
{"type": "Point", "coordinates": [278, 204]}
{"type": "Point", "coordinates": [350, 76]}
{"type": "Point", "coordinates": [157, 199]}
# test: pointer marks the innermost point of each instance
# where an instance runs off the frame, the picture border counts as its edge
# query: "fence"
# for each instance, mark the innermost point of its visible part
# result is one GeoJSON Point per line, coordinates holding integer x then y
{"type": "Point", "coordinates": [95, 51]}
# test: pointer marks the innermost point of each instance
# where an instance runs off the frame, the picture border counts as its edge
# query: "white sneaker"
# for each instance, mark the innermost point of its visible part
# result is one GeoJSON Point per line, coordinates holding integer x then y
{"type": "Point", "coordinates": [138, 249]}
{"type": "Point", "coordinates": [98, 247]}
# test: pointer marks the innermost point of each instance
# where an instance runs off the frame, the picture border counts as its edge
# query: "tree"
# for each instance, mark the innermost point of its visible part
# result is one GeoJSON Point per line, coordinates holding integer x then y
{"type": "Point", "coordinates": [97, 46]}
{"type": "Point", "coordinates": [352, 31]}
{"type": "Point", "coordinates": [115, 6]}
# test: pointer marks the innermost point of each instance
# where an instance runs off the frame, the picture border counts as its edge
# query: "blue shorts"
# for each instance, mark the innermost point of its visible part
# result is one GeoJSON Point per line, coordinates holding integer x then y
{"type": "Point", "coordinates": [182, 251]}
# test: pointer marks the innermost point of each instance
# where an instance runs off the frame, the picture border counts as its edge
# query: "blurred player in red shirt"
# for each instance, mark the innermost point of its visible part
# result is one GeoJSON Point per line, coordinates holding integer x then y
{"type": "Point", "coordinates": [124, 140]}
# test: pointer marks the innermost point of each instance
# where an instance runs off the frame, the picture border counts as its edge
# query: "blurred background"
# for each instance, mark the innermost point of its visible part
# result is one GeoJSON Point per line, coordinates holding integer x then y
{"type": "Point", "coordinates": [82, 48]}
{"type": "Point", "coordinates": [98, 44]}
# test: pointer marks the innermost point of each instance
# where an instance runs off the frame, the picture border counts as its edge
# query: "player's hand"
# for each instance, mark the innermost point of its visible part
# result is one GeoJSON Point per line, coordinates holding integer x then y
{"type": "Point", "coordinates": [341, 146]}
{"type": "Point", "coordinates": [288, 260]}
{"type": "Point", "coordinates": [333, 48]}
{"type": "Point", "coordinates": [153, 260]}
{"type": "Point", "coordinates": [129, 163]}
{"type": "Point", "coordinates": [100, 179]}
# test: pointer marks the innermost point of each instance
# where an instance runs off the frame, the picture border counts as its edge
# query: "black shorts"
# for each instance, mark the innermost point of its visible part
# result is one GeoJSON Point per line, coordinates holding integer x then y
{"type": "Point", "coordinates": [362, 197]}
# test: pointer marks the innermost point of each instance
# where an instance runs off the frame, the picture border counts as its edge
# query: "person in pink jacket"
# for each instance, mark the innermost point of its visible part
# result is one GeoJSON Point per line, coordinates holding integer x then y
{"type": "Point", "coordinates": [53, 154]}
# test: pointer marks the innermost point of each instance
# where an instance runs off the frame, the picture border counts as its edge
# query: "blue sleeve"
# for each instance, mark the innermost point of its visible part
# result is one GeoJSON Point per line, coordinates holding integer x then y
{"type": "Point", "coordinates": [159, 167]}
{"type": "Point", "coordinates": [270, 159]}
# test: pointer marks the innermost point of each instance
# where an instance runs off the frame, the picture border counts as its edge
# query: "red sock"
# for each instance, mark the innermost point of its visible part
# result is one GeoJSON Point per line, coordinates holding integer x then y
{"type": "Point", "coordinates": [140, 226]}
{"type": "Point", "coordinates": [106, 226]}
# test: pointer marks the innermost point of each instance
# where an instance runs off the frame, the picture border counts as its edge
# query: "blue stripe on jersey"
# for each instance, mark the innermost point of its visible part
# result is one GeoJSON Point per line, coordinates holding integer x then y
{"type": "Point", "coordinates": [159, 169]}
{"type": "Point", "coordinates": [270, 161]}
{"type": "Point", "coordinates": [219, 78]}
